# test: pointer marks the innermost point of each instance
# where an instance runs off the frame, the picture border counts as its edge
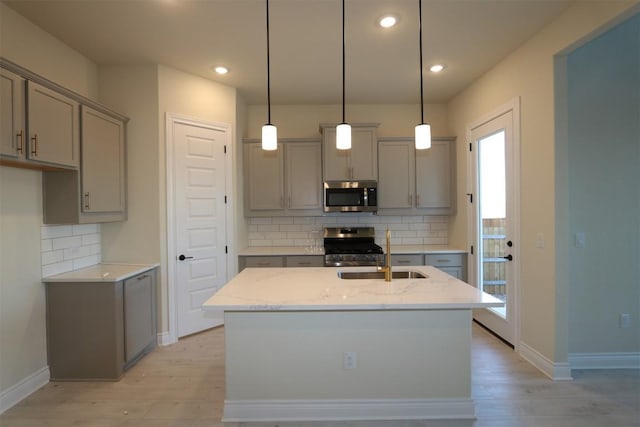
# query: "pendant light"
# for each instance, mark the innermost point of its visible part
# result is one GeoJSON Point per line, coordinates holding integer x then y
{"type": "Point", "coordinates": [423, 130]}
{"type": "Point", "coordinates": [269, 131]}
{"type": "Point", "coordinates": [343, 130]}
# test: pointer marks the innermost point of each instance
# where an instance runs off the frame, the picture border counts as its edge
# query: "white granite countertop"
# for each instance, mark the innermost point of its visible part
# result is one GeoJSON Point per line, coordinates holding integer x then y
{"type": "Point", "coordinates": [303, 250]}
{"type": "Point", "coordinates": [320, 289]}
{"type": "Point", "coordinates": [101, 273]}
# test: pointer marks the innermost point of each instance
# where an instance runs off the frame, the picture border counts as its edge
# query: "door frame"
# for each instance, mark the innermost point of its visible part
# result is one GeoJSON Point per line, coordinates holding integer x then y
{"type": "Point", "coordinates": [512, 105]}
{"type": "Point", "coordinates": [171, 119]}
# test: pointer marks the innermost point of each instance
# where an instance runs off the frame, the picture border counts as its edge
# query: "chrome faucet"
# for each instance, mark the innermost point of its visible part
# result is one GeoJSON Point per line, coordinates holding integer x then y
{"type": "Point", "coordinates": [387, 267]}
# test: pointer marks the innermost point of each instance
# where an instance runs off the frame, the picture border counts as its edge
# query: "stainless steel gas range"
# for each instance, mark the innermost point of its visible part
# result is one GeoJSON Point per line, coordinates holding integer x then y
{"type": "Point", "coordinates": [350, 246]}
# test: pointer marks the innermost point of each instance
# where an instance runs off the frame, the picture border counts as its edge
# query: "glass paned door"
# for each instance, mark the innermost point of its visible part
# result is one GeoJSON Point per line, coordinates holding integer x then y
{"type": "Point", "coordinates": [493, 219]}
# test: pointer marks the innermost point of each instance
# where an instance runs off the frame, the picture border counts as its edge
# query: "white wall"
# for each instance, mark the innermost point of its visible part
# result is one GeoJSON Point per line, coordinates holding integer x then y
{"type": "Point", "coordinates": [22, 309]}
{"type": "Point", "coordinates": [529, 73]}
{"type": "Point", "coordinates": [603, 193]}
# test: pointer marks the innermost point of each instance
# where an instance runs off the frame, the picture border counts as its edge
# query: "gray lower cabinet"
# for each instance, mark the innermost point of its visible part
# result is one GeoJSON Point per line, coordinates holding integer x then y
{"type": "Point", "coordinates": [96, 330]}
{"type": "Point", "coordinates": [453, 264]}
{"type": "Point", "coordinates": [265, 261]}
{"type": "Point", "coordinates": [406, 259]}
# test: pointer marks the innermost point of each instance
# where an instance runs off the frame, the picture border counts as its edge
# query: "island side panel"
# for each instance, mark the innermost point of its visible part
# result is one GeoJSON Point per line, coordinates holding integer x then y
{"type": "Point", "coordinates": [412, 354]}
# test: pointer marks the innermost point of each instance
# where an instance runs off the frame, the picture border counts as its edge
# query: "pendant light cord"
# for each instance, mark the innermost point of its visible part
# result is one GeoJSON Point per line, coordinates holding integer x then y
{"type": "Point", "coordinates": [268, 71]}
{"type": "Point", "coordinates": [421, 84]}
{"type": "Point", "coordinates": [343, 66]}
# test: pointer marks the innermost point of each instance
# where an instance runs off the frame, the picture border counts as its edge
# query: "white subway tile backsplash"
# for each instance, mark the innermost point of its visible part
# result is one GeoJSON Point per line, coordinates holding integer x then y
{"type": "Point", "coordinates": [67, 242]}
{"type": "Point", "coordinates": [90, 239]}
{"type": "Point", "coordinates": [52, 257]}
{"type": "Point", "coordinates": [83, 262]}
{"type": "Point", "coordinates": [85, 229]}
{"type": "Point", "coordinates": [53, 231]}
{"type": "Point", "coordinates": [69, 247]}
{"type": "Point", "coordinates": [46, 245]}
{"type": "Point", "coordinates": [302, 231]}
{"type": "Point", "coordinates": [57, 268]}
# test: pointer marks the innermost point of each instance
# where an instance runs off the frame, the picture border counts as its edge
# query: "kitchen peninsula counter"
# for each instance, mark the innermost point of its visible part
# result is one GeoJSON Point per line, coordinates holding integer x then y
{"type": "Point", "coordinates": [302, 344]}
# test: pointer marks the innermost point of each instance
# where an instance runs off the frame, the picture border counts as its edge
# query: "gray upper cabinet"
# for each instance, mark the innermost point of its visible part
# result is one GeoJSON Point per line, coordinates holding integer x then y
{"type": "Point", "coordinates": [264, 177]}
{"type": "Point", "coordinates": [103, 162]}
{"type": "Point", "coordinates": [97, 192]}
{"type": "Point", "coordinates": [12, 116]}
{"type": "Point", "coordinates": [416, 181]}
{"type": "Point", "coordinates": [286, 181]}
{"type": "Point", "coordinates": [358, 163]}
{"type": "Point", "coordinates": [54, 130]}
{"type": "Point", "coordinates": [434, 176]}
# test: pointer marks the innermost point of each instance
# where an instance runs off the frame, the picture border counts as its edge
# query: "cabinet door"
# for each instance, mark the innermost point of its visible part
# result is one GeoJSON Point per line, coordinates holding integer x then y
{"type": "Point", "coordinates": [364, 154]}
{"type": "Point", "coordinates": [53, 126]}
{"type": "Point", "coordinates": [305, 261]}
{"type": "Point", "coordinates": [139, 314]}
{"type": "Point", "coordinates": [265, 177]}
{"type": "Point", "coordinates": [103, 162]}
{"type": "Point", "coordinates": [336, 162]}
{"type": "Point", "coordinates": [396, 174]}
{"type": "Point", "coordinates": [433, 175]}
{"type": "Point", "coordinates": [304, 175]}
{"type": "Point", "coordinates": [263, 261]}
{"type": "Point", "coordinates": [410, 259]}
{"type": "Point", "coordinates": [12, 129]}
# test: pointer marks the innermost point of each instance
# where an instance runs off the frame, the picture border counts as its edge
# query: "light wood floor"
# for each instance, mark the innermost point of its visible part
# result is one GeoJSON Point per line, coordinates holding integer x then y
{"type": "Point", "coordinates": [183, 385]}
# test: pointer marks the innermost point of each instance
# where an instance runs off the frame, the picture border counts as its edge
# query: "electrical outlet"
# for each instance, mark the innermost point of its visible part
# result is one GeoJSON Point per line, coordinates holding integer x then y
{"type": "Point", "coordinates": [539, 240]}
{"type": "Point", "coordinates": [349, 359]}
{"type": "Point", "coordinates": [625, 320]}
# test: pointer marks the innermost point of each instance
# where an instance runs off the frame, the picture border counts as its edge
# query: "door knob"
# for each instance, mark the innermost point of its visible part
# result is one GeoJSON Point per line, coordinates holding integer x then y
{"type": "Point", "coordinates": [508, 257]}
{"type": "Point", "coordinates": [182, 257]}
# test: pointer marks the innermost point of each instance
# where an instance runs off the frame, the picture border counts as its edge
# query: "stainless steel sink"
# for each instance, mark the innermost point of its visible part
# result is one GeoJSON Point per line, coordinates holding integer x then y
{"type": "Point", "coordinates": [380, 275]}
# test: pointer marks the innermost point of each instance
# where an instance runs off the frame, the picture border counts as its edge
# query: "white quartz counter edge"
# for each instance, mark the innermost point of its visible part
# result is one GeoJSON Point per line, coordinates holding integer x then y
{"type": "Point", "coordinates": [320, 289]}
{"type": "Point", "coordinates": [302, 250]}
{"type": "Point", "coordinates": [106, 272]}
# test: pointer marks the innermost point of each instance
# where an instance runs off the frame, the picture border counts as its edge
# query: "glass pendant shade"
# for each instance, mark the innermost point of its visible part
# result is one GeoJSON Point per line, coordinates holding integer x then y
{"type": "Point", "coordinates": [423, 136]}
{"type": "Point", "coordinates": [343, 136]}
{"type": "Point", "coordinates": [269, 137]}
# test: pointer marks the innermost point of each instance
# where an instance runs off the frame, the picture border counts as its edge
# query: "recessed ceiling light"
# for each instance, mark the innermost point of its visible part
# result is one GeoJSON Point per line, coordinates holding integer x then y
{"type": "Point", "coordinates": [388, 21]}
{"type": "Point", "coordinates": [221, 70]}
{"type": "Point", "coordinates": [436, 68]}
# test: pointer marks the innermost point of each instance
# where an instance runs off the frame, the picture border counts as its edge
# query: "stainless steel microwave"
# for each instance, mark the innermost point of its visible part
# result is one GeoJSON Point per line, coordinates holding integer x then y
{"type": "Point", "coordinates": [350, 196]}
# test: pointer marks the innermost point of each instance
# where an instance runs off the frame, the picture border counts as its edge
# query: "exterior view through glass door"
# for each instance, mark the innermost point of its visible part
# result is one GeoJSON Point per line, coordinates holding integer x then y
{"type": "Point", "coordinates": [493, 214]}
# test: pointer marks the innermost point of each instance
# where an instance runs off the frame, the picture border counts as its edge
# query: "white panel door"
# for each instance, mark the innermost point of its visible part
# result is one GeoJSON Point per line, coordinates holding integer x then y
{"type": "Point", "coordinates": [200, 223]}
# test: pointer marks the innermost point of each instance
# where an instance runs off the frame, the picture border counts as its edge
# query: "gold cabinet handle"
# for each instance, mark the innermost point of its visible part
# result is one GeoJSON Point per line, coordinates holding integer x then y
{"type": "Point", "coordinates": [20, 136]}
{"type": "Point", "coordinates": [34, 148]}
{"type": "Point", "coordinates": [87, 205]}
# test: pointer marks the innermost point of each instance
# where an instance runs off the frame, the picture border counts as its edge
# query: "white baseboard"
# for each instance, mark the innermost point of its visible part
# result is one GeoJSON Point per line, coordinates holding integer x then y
{"type": "Point", "coordinates": [165, 338]}
{"type": "Point", "coordinates": [555, 371]}
{"type": "Point", "coordinates": [17, 392]}
{"type": "Point", "coordinates": [604, 360]}
{"type": "Point", "coordinates": [347, 409]}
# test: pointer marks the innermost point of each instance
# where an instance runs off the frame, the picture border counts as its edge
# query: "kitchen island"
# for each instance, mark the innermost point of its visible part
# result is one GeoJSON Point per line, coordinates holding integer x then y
{"type": "Point", "coordinates": [305, 344]}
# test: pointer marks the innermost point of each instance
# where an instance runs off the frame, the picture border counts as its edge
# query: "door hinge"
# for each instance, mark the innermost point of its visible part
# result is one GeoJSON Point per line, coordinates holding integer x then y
{"type": "Point", "coordinates": [470, 147]}
{"type": "Point", "coordinates": [225, 200]}
{"type": "Point", "coordinates": [470, 197]}
{"type": "Point", "coordinates": [471, 249]}
{"type": "Point", "coordinates": [225, 149]}
{"type": "Point", "coordinates": [226, 249]}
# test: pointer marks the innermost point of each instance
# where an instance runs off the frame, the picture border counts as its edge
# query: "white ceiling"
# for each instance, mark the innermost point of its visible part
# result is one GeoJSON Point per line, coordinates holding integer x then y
{"type": "Point", "coordinates": [469, 36]}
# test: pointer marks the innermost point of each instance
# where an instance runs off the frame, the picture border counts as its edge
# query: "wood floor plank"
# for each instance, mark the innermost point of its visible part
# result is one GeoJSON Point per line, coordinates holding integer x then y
{"type": "Point", "coordinates": [183, 385]}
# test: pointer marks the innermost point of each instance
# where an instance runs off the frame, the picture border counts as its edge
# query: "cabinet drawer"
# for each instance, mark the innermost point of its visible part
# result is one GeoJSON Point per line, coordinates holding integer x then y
{"type": "Point", "coordinates": [264, 261]}
{"type": "Point", "coordinates": [406, 259]}
{"type": "Point", "coordinates": [444, 260]}
{"type": "Point", "coordinates": [305, 261]}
